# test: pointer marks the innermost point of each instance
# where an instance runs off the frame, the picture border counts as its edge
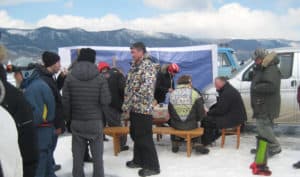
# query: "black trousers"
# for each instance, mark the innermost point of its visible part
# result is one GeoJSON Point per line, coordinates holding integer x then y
{"type": "Point", "coordinates": [144, 152]}
{"type": "Point", "coordinates": [211, 132]}
{"type": "Point", "coordinates": [29, 169]}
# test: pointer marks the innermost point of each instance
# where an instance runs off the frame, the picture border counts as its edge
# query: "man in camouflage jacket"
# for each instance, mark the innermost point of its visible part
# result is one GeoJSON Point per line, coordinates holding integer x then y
{"type": "Point", "coordinates": [139, 96]}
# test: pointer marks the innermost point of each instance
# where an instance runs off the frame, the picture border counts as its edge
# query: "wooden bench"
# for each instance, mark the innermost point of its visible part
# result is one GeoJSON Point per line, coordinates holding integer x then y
{"type": "Point", "coordinates": [158, 122]}
{"type": "Point", "coordinates": [188, 135]}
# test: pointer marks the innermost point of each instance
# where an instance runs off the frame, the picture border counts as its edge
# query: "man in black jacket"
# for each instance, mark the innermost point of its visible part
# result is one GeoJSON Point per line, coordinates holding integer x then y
{"type": "Point", "coordinates": [47, 73]}
{"type": "Point", "coordinates": [15, 103]}
{"type": "Point", "coordinates": [116, 83]}
{"type": "Point", "coordinates": [85, 94]}
{"type": "Point", "coordinates": [165, 81]}
{"type": "Point", "coordinates": [228, 112]}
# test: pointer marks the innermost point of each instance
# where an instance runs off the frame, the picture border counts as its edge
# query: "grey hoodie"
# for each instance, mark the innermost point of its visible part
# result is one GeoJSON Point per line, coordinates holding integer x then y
{"type": "Point", "coordinates": [85, 93]}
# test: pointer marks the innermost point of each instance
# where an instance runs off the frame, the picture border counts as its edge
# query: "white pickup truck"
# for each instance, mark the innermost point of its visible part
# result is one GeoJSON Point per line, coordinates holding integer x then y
{"type": "Point", "coordinates": [289, 66]}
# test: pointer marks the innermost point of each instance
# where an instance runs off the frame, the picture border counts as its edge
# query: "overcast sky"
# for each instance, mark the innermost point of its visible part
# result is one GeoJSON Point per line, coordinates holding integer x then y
{"type": "Point", "coordinates": [194, 18]}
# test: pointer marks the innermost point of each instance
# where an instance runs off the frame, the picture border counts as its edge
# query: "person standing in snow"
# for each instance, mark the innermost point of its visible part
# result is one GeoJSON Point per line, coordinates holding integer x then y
{"type": "Point", "coordinates": [47, 73]}
{"type": "Point", "coordinates": [15, 103]}
{"type": "Point", "coordinates": [11, 163]}
{"type": "Point", "coordinates": [265, 97]}
{"type": "Point", "coordinates": [112, 113]}
{"type": "Point", "coordinates": [87, 157]}
{"type": "Point", "coordinates": [297, 165]}
{"type": "Point", "coordinates": [165, 82]}
{"type": "Point", "coordinates": [10, 156]}
{"type": "Point", "coordinates": [85, 94]}
{"type": "Point", "coordinates": [42, 102]}
{"type": "Point", "coordinates": [139, 96]}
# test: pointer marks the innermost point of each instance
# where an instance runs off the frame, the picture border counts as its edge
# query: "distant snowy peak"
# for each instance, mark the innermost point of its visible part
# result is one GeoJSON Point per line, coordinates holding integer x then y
{"type": "Point", "coordinates": [19, 32]}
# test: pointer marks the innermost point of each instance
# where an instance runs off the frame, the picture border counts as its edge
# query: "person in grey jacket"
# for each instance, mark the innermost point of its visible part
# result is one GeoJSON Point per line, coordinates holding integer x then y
{"type": "Point", "coordinates": [85, 94]}
{"type": "Point", "coordinates": [265, 96]}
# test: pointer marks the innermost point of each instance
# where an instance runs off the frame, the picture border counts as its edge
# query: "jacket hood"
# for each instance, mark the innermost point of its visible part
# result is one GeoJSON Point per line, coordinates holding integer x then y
{"type": "Point", "coordinates": [270, 59]}
{"type": "Point", "coordinates": [43, 71]}
{"type": "Point", "coordinates": [84, 71]}
{"type": "Point", "coordinates": [29, 78]}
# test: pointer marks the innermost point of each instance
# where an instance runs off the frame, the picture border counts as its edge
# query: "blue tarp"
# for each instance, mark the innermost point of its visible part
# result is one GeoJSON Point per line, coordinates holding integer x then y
{"type": "Point", "coordinates": [198, 64]}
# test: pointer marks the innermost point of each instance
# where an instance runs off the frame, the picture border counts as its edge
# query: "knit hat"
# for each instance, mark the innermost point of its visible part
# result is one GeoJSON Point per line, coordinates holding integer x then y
{"type": "Point", "coordinates": [103, 65]}
{"type": "Point", "coordinates": [259, 53]}
{"type": "Point", "coordinates": [87, 54]}
{"type": "Point", "coordinates": [50, 58]}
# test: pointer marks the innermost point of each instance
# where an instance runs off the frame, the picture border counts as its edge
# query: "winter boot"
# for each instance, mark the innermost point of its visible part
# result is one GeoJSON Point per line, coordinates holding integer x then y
{"type": "Point", "coordinates": [259, 166]}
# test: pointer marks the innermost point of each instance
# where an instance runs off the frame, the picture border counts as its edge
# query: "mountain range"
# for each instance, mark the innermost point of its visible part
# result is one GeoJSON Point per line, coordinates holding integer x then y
{"type": "Point", "coordinates": [31, 43]}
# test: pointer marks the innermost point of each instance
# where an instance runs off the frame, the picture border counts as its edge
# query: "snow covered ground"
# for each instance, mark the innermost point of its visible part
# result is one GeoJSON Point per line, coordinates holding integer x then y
{"type": "Point", "coordinates": [227, 162]}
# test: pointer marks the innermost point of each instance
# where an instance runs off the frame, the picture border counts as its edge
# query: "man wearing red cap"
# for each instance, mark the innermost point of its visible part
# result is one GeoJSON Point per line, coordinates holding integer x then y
{"type": "Point", "coordinates": [165, 81]}
{"type": "Point", "coordinates": [116, 83]}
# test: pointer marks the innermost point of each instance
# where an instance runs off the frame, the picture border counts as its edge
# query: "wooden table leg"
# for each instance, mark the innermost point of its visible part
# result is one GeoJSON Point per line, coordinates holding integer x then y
{"type": "Point", "coordinates": [223, 137]}
{"type": "Point", "coordinates": [115, 142]}
{"type": "Point", "coordinates": [158, 136]}
{"type": "Point", "coordinates": [118, 142]}
{"type": "Point", "coordinates": [238, 137]}
{"type": "Point", "coordinates": [188, 146]}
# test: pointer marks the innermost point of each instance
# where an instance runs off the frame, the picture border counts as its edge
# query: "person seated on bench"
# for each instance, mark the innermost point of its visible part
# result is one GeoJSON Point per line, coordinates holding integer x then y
{"type": "Point", "coordinates": [228, 112]}
{"type": "Point", "coordinates": [186, 109]}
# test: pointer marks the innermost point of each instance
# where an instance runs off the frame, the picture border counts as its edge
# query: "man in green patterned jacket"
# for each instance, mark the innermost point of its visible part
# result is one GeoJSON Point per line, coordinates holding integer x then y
{"type": "Point", "coordinates": [139, 96]}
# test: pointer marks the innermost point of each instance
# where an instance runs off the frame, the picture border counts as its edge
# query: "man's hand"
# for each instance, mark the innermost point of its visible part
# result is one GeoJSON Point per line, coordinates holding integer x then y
{"type": "Point", "coordinates": [64, 72]}
{"type": "Point", "coordinates": [171, 90]}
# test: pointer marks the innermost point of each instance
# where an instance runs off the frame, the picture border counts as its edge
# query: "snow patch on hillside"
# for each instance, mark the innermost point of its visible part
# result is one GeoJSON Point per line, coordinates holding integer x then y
{"type": "Point", "coordinates": [19, 32]}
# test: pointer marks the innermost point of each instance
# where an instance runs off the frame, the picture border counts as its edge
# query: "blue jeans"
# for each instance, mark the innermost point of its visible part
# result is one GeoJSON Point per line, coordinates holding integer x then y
{"type": "Point", "coordinates": [45, 143]}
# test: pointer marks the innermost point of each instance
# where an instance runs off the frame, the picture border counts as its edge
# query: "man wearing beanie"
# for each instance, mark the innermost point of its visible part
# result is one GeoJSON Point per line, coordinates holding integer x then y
{"type": "Point", "coordinates": [47, 73]}
{"type": "Point", "coordinates": [85, 94]}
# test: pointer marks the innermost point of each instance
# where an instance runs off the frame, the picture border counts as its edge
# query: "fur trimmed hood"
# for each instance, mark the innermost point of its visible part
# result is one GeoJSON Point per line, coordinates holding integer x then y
{"type": "Point", "coordinates": [270, 59]}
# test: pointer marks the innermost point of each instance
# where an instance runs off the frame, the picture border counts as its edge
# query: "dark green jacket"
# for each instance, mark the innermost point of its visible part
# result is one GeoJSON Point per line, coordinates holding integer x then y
{"type": "Point", "coordinates": [265, 89]}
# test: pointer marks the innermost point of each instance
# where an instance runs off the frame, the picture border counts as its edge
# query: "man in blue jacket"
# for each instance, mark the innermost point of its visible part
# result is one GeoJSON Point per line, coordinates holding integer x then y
{"type": "Point", "coordinates": [41, 99]}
